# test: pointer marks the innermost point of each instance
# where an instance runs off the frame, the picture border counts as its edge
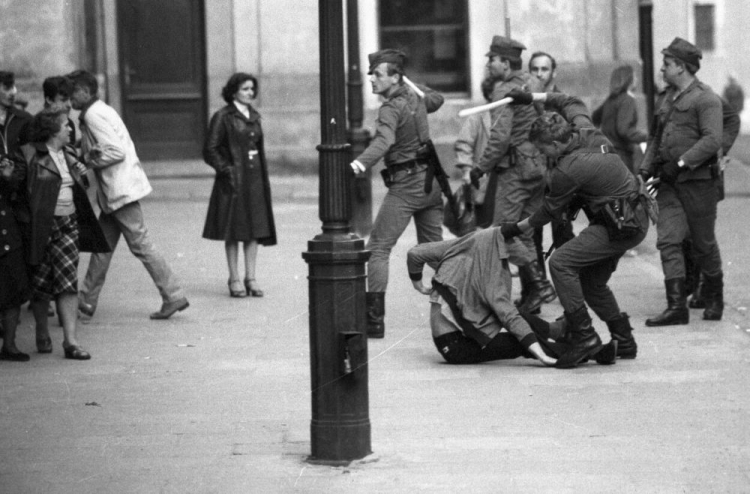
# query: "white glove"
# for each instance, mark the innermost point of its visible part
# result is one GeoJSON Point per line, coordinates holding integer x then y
{"type": "Point", "coordinates": [357, 167]}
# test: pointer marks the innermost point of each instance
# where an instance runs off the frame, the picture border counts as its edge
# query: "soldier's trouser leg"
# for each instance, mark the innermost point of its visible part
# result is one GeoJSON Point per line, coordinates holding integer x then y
{"type": "Point", "coordinates": [596, 291]}
{"type": "Point", "coordinates": [404, 200]}
{"type": "Point", "coordinates": [700, 199]}
{"type": "Point", "coordinates": [688, 209]}
{"type": "Point", "coordinates": [429, 223]}
{"type": "Point", "coordinates": [391, 221]}
{"type": "Point", "coordinates": [590, 250]}
{"type": "Point", "coordinates": [515, 200]}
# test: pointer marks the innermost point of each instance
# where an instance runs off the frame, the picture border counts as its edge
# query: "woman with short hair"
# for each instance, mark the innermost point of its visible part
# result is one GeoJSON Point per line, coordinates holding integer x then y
{"type": "Point", "coordinates": [62, 224]}
{"type": "Point", "coordinates": [239, 209]}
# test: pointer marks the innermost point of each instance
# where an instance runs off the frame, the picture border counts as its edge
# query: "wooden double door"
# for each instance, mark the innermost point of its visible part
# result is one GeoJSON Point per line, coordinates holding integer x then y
{"type": "Point", "coordinates": [163, 76]}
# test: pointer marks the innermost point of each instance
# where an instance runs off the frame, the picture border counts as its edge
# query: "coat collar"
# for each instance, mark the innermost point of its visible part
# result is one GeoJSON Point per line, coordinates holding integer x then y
{"type": "Point", "coordinates": [46, 159]}
{"type": "Point", "coordinates": [254, 115]}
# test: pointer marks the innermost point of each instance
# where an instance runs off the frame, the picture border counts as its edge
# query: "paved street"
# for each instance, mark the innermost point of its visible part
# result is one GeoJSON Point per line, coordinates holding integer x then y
{"type": "Point", "coordinates": [217, 399]}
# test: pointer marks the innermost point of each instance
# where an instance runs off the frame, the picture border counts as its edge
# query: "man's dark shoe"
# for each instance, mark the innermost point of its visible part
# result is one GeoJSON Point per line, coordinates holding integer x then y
{"type": "Point", "coordinates": [622, 332]}
{"type": "Point", "coordinates": [169, 308]}
{"type": "Point", "coordinates": [375, 314]}
{"type": "Point", "coordinates": [677, 311]}
{"type": "Point", "coordinates": [14, 356]}
{"type": "Point", "coordinates": [582, 338]}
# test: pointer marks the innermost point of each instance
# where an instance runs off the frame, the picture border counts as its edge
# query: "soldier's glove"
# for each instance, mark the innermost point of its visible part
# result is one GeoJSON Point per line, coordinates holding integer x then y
{"type": "Point", "coordinates": [520, 97]}
{"type": "Point", "coordinates": [510, 230]}
{"type": "Point", "coordinates": [645, 175]}
{"type": "Point", "coordinates": [669, 172]}
{"type": "Point", "coordinates": [475, 174]}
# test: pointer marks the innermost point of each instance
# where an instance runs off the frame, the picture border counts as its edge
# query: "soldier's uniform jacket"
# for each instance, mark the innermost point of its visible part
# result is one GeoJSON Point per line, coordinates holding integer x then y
{"type": "Point", "coordinates": [401, 126]}
{"type": "Point", "coordinates": [693, 132]}
{"type": "Point", "coordinates": [510, 130]}
{"type": "Point", "coordinates": [587, 169]}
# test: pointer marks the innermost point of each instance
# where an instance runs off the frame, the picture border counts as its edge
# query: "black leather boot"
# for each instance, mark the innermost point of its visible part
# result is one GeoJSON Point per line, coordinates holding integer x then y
{"type": "Point", "coordinates": [523, 277]}
{"type": "Point", "coordinates": [622, 333]}
{"type": "Point", "coordinates": [697, 301]}
{"type": "Point", "coordinates": [540, 289]}
{"type": "Point", "coordinates": [581, 337]}
{"type": "Point", "coordinates": [375, 314]}
{"type": "Point", "coordinates": [677, 311]}
{"type": "Point", "coordinates": [713, 294]}
{"type": "Point", "coordinates": [608, 353]}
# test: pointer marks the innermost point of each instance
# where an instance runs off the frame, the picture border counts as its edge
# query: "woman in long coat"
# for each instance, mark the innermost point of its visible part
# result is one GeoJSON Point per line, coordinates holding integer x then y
{"type": "Point", "coordinates": [240, 206]}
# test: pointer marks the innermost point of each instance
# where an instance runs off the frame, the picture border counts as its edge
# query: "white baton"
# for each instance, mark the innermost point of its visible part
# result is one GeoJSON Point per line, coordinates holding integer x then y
{"type": "Point", "coordinates": [483, 108]}
{"type": "Point", "coordinates": [413, 86]}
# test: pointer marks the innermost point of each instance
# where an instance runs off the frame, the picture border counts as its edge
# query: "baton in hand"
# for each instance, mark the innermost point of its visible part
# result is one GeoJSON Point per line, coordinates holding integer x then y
{"type": "Point", "coordinates": [413, 86]}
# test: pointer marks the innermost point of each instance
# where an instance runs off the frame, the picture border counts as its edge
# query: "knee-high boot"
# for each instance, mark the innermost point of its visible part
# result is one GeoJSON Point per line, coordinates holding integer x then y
{"type": "Point", "coordinates": [622, 333]}
{"type": "Point", "coordinates": [697, 300]}
{"type": "Point", "coordinates": [375, 314]}
{"type": "Point", "coordinates": [677, 311]}
{"type": "Point", "coordinates": [713, 295]}
{"type": "Point", "coordinates": [582, 338]}
{"type": "Point", "coordinates": [540, 289]}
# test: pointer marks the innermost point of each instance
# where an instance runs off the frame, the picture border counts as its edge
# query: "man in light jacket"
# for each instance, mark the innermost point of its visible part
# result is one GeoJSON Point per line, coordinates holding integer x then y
{"type": "Point", "coordinates": [108, 149]}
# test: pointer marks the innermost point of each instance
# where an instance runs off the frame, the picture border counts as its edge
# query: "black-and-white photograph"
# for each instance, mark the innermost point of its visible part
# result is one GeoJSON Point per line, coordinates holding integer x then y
{"type": "Point", "coordinates": [374, 246]}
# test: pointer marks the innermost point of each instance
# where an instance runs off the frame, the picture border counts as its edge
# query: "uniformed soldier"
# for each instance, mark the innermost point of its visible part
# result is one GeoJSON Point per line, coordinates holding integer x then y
{"type": "Point", "coordinates": [543, 67]}
{"type": "Point", "coordinates": [519, 165]}
{"type": "Point", "coordinates": [586, 167]}
{"type": "Point", "coordinates": [400, 136]}
{"type": "Point", "coordinates": [683, 153]}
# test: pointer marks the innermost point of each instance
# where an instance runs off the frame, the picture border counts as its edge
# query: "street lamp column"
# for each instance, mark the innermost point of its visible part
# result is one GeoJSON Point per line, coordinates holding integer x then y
{"type": "Point", "coordinates": [340, 426]}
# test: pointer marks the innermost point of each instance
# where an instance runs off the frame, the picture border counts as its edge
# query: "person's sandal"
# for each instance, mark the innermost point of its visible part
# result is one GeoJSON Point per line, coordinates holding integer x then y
{"type": "Point", "coordinates": [255, 292]}
{"type": "Point", "coordinates": [75, 352]}
{"type": "Point", "coordinates": [235, 289]}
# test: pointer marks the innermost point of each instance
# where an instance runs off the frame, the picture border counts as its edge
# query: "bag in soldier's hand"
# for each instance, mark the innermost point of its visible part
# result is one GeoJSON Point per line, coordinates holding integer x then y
{"type": "Point", "coordinates": [461, 218]}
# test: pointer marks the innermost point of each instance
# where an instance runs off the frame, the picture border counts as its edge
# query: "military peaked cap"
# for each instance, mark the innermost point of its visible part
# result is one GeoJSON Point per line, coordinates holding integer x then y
{"type": "Point", "coordinates": [505, 47]}
{"type": "Point", "coordinates": [684, 51]}
{"type": "Point", "coordinates": [388, 55]}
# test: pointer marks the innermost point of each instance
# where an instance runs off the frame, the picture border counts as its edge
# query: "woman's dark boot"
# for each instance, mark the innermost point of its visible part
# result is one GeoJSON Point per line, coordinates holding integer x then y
{"type": "Point", "coordinates": [713, 295]}
{"type": "Point", "coordinates": [581, 337]}
{"type": "Point", "coordinates": [622, 333]}
{"type": "Point", "coordinates": [375, 314]}
{"type": "Point", "coordinates": [540, 289]}
{"type": "Point", "coordinates": [677, 311]}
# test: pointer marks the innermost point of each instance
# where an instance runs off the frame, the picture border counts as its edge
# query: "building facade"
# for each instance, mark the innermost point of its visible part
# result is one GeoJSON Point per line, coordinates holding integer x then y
{"type": "Point", "coordinates": [163, 63]}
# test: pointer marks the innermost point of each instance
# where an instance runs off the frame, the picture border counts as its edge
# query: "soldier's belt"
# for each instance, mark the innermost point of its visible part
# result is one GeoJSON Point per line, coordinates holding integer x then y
{"type": "Point", "coordinates": [405, 165]}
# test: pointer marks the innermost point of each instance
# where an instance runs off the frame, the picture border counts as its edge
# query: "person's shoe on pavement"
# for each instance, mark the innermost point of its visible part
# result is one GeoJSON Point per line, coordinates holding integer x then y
{"type": "Point", "coordinates": [169, 308]}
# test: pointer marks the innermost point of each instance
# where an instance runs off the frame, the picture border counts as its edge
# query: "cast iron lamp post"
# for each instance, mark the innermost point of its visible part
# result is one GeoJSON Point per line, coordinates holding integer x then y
{"type": "Point", "coordinates": [340, 426]}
